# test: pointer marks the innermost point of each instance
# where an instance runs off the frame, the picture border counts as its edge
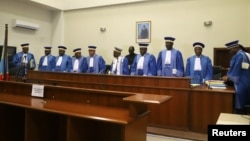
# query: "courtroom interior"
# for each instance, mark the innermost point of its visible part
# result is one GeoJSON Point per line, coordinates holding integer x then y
{"type": "Point", "coordinates": [116, 98]}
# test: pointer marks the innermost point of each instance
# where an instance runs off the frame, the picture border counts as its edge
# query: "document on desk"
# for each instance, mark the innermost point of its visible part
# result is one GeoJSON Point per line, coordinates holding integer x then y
{"type": "Point", "coordinates": [216, 84]}
{"type": "Point", "coordinates": [37, 90]}
{"type": "Point", "coordinates": [233, 119]}
{"type": "Point", "coordinates": [218, 87]}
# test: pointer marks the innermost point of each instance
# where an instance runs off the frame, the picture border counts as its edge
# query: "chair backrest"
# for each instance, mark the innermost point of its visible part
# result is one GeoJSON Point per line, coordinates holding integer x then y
{"type": "Point", "coordinates": [216, 72]}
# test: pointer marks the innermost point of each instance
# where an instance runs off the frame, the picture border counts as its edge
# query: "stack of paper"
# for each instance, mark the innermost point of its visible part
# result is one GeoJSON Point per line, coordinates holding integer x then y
{"type": "Point", "coordinates": [194, 85]}
{"type": "Point", "coordinates": [216, 84]}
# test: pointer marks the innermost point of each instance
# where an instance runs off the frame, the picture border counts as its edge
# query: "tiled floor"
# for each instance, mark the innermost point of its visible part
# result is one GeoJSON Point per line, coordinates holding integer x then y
{"type": "Point", "coordinates": [152, 137]}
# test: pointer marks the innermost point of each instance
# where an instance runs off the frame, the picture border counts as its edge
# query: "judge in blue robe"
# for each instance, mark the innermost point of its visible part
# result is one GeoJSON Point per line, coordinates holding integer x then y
{"type": "Point", "coordinates": [144, 63]}
{"type": "Point", "coordinates": [199, 66]}
{"type": "Point", "coordinates": [79, 62]}
{"type": "Point", "coordinates": [47, 62]}
{"type": "Point", "coordinates": [170, 61]}
{"type": "Point", "coordinates": [239, 73]}
{"type": "Point", "coordinates": [119, 64]}
{"type": "Point", "coordinates": [24, 61]}
{"type": "Point", "coordinates": [95, 63]}
{"type": "Point", "coordinates": [63, 61]}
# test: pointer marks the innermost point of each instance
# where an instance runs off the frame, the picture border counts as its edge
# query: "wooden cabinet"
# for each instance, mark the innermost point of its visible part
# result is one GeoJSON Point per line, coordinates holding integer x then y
{"type": "Point", "coordinates": [222, 58]}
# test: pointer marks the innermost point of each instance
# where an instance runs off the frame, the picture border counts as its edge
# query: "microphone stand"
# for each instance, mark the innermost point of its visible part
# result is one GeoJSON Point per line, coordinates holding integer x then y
{"type": "Point", "coordinates": [17, 73]}
{"type": "Point", "coordinates": [25, 72]}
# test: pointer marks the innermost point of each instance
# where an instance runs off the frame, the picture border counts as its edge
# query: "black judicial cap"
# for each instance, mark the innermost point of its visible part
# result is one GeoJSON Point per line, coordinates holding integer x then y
{"type": "Point", "coordinates": [47, 47]}
{"type": "Point", "coordinates": [116, 49]}
{"type": "Point", "coordinates": [62, 47]}
{"type": "Point", "coordinates": [143, 45]}
{"type": "Point", "coordinates": [232, 44]}
{"type": "Point", "coordinates": [77, 50]}
{"type": "Point", "coordinates": [92, 47]}
{"type": "Point", "coordinates": [25, 45]}
{"type": "Point", "coordinates": [198, 44]}
{"type": "Point", "coordinates": [169, 39]}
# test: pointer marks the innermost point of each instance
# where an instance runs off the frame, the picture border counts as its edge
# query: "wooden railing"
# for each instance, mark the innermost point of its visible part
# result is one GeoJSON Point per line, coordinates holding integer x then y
{"type": "Point", "coordinates": [182, 112]}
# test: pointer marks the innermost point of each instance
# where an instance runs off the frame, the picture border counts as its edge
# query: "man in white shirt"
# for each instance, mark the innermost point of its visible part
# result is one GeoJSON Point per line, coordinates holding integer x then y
{"type": "Point", "coordinates": [119, 64]}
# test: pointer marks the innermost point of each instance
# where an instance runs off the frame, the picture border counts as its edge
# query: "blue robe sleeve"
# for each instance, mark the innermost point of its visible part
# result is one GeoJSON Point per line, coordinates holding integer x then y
{"type": "Point", "coordinates": [235, 68]}
{"type": "Point", "coordinates": [84, 65]}
{"type": "Point", "coordinates": [152, 66]}
{"type": "Point", "coordinates": [69, 64]}
{"type": "Point", "coordinates": [133, 66]}
{"type": "Point", "coordinates": [52, 63]}
{"type": "Point", "coordinates": [159, 65]}
{"type": "Point", "coordinates": [125, 66]}
{"type": "Point", "coordinates": [188, 73]}
{"type": "Point", "coordinates": [17, 60]}
{"type": "Point", "coordinates": [179, 64]}
{"type": "Point", "coordinates": [40, 63]}
{"type": "Point", "coordinates": [102, 65]}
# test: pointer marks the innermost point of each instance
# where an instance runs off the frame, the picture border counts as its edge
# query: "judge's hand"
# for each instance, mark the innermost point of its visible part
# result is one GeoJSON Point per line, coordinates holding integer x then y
{"type": "Point", "coordinates": [225, 78]}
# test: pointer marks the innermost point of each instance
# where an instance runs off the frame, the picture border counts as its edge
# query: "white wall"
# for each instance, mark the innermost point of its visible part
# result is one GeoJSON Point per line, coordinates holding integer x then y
{"type": "Point", "coordinates": [182, 19]}
{"type": "Point", "coordinates": [79, 4]}
{"type": "Point", "coordinates": [51, 25]}
{"type": "Point", "coordinates": [58, 4]}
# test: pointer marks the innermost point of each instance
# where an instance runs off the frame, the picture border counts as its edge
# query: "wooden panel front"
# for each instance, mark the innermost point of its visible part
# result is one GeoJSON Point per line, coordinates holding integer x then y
{"type": "Point", "coordinates": [180, 82]}
{"type": "Point", "coordinates": [93, 130]}
{"type": "Point", "coordinates": [183, 111]}
{"type": "Point", "coordinates": [163, 115]}
{"type": "Point", "coordinates": [11, 123]}
{"type": "Point", "coordinates": [172, 114]}
{"type": "Point", "coordinates": [206, 106]}
{"type": "Point", "coordinates": [43, 126]}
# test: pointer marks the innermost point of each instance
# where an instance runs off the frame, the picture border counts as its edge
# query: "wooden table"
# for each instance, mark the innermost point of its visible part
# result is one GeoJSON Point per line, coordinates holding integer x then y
{"type": "Point", "coordinates": [72, 114]}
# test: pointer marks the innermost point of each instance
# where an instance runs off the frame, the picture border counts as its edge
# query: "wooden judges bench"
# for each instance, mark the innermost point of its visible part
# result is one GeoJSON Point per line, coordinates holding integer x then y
{"type": "Point", "coordinates": [191, 109]}
{"type": "Point", "coordinates": [72, 114]}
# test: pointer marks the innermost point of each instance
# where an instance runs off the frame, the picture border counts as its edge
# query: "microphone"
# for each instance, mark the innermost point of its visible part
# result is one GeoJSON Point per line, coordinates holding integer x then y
{"type": "Point", "coordinates": [18, 68]}
{"type": "Point", "coordinates": [25, 67]}
{"type": "Point", "coordinates": [17, 73]}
